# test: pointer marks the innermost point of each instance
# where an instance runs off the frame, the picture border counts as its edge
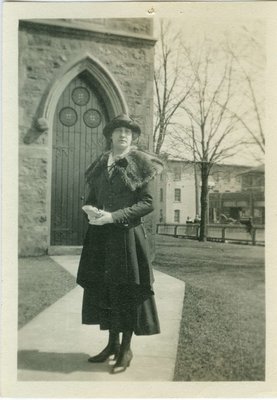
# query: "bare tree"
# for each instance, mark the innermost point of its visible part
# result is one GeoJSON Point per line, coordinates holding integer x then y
{"type": "Point", "coordinates": [171, 87]}
{"type": "Point", "coordinates": [210, 131]}
{"type": "Point", "coordinates": [201, 107]}
{"type": "Point", "coordinates": [249, 55]}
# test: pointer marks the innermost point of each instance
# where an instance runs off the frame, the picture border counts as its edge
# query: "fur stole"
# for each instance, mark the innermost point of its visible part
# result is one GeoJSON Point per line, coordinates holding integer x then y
{"type": "Point", "coordinates": [135, 169]}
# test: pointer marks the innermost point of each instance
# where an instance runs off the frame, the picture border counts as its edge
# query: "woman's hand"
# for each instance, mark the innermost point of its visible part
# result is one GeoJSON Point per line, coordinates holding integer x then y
{"type": "Point", "coordinates": [104, 218]}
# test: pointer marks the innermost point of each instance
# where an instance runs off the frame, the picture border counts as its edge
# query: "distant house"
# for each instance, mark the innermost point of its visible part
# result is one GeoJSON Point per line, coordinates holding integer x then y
{"type": "Point", "coordinates": [253, 179]}
{"type": "Point", "coordinates": [176, 192]}
{"type": "Point", "coordinates": [248, 202]}
{"type": "Point", "coordinates": [237, 192]}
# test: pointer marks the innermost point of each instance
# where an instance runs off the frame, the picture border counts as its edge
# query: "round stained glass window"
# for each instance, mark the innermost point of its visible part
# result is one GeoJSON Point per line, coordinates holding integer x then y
{"type": "Point", "coordinates": [92, 118]}
{"type": "Point", "coordinates": [80, 96]}
{"type": "Point", "coordinates": [68, 116]}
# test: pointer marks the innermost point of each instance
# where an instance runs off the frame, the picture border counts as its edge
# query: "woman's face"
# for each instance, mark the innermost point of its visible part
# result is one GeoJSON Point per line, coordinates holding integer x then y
{"type": "Point", "coordinates": [121, 138]}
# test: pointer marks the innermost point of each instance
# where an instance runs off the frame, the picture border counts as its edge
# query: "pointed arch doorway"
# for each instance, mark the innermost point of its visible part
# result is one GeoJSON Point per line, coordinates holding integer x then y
{"type": "Point", "coordinates": [77, 140]}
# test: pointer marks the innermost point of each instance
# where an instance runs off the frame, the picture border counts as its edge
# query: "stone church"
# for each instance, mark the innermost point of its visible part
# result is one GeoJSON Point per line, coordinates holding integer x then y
{"type": "Point", "coordinates": [74, 76]}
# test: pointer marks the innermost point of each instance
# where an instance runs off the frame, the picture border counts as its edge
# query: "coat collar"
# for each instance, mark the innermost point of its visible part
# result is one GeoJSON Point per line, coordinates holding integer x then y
{"type": "Point", "coordinates": [135, 169]}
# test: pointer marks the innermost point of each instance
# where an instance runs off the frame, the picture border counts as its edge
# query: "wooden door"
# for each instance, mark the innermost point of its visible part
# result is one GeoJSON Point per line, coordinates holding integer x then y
{"type": "Point", "coordinates": [77, 141]}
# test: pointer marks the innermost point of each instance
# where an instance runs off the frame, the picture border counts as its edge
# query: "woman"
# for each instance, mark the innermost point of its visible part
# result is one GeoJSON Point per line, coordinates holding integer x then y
{"type": "Point", "coordinates": [115, 268]}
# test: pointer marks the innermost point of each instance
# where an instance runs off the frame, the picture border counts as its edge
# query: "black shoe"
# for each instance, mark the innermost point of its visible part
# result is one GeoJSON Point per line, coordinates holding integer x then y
{"type": "Point", "coordinates": [123, 362]}
{"type": "Point", "coordinates": [105, 354]}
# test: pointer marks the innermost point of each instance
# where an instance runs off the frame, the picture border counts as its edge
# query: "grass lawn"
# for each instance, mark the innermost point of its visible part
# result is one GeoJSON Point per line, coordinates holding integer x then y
{"type": "Point", "coordinates": [41, 282]}
{"type": "Point", "coordinates": [222, 332]}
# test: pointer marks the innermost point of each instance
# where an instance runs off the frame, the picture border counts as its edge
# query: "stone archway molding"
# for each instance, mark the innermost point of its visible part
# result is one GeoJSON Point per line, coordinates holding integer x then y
{"type": "Point", "coordinates": [108, 87]}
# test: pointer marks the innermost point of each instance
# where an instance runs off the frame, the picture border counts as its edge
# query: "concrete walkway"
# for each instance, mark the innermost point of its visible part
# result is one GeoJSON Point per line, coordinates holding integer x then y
{"type": "Point", "coordinates": [54, 346]}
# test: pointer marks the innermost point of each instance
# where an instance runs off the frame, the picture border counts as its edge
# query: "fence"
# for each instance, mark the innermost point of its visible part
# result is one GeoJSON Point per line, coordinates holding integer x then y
{"type": "Point", "coordinates": [216, 232]}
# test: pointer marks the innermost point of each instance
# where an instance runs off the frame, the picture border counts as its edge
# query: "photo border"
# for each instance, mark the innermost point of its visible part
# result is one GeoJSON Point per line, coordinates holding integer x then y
{"type": "Point", "coordinates": [12, 12]}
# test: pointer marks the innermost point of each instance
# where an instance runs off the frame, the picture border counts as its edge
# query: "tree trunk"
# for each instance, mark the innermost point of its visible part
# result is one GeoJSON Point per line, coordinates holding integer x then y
{"type": "Point", "coordinates": [160, 140]}
{"type": "Point", "coordinates": [196, 188]}
{"type": "Point", "coordinates": [204, 201]}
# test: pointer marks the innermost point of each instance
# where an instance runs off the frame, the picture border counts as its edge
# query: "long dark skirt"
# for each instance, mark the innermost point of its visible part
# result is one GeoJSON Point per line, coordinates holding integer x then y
{"type": "Point", "coordinates": [121, 308]}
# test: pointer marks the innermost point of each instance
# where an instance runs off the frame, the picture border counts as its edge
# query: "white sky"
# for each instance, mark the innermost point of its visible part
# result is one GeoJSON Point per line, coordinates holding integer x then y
{"type": "Point", "coordinates": [195, 30]}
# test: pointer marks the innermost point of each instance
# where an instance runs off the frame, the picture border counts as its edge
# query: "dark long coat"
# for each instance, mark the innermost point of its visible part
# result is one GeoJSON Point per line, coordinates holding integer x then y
{"type": "Point", "coordinates": [118, 253]}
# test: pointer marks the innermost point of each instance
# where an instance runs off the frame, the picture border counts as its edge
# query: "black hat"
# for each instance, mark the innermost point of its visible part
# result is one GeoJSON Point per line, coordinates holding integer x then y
{"type": "Point", "coordinates": [121, 120]}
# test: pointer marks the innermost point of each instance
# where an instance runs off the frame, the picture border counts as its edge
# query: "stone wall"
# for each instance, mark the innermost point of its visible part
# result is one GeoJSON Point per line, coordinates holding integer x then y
{"type": "Point", "coordinates": [43, 50]}
{"type": "Point", "coordinates": [132, 26]}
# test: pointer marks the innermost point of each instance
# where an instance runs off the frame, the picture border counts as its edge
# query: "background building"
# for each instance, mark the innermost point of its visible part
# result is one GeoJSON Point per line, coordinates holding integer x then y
{"type": "Point", "coordinates": [74, 76]}
{"type": "Point", "coordinates": [241, 204]}
{"type": "Point", "coordinates": [236, 191]}
{"type": "Point", "coordinates": [176, 193]}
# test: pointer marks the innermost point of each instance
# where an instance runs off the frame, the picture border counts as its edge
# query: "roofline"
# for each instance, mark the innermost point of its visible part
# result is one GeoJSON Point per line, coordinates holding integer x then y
{"type": "Point", "coordinates": [218, 164]}
{"type": "Point", "coordinates": [254, 170]}
{"type": "Point", "coordinates": [65, 27]}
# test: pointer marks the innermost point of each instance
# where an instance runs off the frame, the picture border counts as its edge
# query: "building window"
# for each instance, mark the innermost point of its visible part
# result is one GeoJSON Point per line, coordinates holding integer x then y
{"type": "Point", "coordinates": [176, 215]}
{"type": "Point", "coordinates": [177, 174]}
{"type": "Point", "coordinates": [161, 215]}
{"type": "Point", "coordinates": [161, 195]}
{"type": "Point", "coordinates": [247, 180]}
{"type": "Point", "coordinates": [216, 176]}
{"type": "Point", "coordinates": [228, 176]}
{"type": "Point", "coordinates": [177, 195]}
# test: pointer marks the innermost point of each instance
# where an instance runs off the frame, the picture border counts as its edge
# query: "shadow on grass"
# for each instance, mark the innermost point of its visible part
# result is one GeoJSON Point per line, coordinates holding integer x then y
{"type": "Point", "coordinates": [64, 363]}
